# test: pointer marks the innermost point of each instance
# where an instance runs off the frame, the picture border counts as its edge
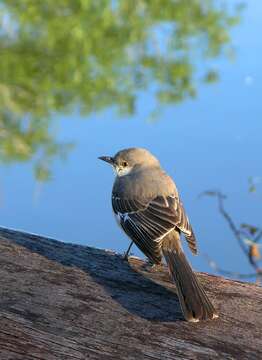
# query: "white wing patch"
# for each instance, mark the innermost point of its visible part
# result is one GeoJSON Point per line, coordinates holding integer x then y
{"type": "Point", "coordinates": [121, 217]}
{"type": "Point", "coordinates": [125, 217]}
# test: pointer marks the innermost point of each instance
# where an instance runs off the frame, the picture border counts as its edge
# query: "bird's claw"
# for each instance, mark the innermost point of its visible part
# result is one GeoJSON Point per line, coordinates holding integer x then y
{"type": "Point", "coordinates": [125, 257]}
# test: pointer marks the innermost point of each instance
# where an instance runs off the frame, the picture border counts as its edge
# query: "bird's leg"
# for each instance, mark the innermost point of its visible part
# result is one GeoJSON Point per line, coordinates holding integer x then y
{"type": "Point", "coordinates": [127, 252]}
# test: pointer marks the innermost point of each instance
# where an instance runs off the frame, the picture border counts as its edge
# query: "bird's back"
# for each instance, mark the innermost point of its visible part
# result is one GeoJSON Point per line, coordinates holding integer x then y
{"type": "Point", "coordinates": [145, 182]}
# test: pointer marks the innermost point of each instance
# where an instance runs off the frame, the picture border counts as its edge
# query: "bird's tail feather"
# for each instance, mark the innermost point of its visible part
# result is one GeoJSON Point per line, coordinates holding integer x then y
{"type": "Point", "coordinates": [192, 297]}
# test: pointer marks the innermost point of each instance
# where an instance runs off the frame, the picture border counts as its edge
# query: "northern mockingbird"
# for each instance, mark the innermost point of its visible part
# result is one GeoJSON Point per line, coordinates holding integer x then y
{"type": "Point", "coordinates": [146, 203]}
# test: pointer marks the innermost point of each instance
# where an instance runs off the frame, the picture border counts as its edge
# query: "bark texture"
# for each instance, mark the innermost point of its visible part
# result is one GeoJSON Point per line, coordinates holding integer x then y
{"type": "Point", "coordinates": [64, 301]}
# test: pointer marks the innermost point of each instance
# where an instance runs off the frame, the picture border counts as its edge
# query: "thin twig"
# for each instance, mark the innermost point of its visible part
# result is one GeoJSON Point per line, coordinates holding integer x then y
{"type": "Point", "coordinates": [230, 222]}
{"type": "Point", "coordinates": [258, 237]}
{"type": "Point", "coordinates": [238, 233]}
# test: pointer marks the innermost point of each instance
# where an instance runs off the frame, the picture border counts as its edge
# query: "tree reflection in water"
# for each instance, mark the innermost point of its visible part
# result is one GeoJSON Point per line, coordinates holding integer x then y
{"type": "Point", "coordinates": [57, 56]}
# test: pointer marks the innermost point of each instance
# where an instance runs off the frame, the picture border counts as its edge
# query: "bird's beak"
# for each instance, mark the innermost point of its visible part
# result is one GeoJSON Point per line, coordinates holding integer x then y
{"type": "Point", "coordinates": [107, 159]}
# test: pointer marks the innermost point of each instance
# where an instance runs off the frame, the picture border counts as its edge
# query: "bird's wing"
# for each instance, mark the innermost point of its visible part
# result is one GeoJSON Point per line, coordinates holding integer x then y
{"type": "Point", "coordinates": [174, 211]}
{"type": "Point", "coordinates": [147, 222]}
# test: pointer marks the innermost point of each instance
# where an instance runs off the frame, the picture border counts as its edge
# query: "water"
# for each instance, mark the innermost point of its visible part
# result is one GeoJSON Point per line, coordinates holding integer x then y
{"type": "Point", "coordinates": [210, 142]}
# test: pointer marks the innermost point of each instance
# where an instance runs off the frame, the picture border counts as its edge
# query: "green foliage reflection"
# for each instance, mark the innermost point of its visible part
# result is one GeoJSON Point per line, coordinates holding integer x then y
{"type": "Point", "coordinates": [56, 55]}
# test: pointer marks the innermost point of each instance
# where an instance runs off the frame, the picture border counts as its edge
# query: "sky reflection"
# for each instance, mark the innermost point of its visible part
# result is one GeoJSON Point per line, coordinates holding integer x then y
{"type": "Point", "coordinates": [211, 142]}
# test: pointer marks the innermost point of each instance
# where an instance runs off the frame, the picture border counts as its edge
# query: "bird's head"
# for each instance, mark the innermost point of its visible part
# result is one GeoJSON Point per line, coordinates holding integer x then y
{"type": "Point", "coordinates": [132, 159]}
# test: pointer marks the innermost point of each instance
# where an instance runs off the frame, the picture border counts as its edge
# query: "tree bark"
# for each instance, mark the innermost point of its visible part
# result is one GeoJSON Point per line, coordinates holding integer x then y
{"type": "Point", "coordinates": [66, 301]}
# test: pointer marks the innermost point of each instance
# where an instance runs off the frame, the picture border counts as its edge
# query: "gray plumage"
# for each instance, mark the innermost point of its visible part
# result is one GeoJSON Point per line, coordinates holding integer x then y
{"type": "Point", "coordinates": [146, 203]}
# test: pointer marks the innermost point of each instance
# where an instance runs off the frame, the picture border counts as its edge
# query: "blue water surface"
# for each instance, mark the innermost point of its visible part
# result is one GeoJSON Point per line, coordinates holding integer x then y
{"type": "Point", "coordinates": [211, 142]}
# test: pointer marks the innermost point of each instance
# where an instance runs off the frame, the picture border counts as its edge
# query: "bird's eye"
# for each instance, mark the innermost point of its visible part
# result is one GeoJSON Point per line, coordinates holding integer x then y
{"type": "Point", "coordinates": [124, 164]}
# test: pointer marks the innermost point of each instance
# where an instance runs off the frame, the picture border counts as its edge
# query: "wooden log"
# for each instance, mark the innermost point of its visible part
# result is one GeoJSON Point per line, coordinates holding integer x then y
{"type": "Point", "coordinates": [66, 301]}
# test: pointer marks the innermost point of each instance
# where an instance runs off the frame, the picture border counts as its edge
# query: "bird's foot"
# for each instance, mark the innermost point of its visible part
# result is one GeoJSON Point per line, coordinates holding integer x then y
{"type": "Point", "coordinates": [156, 267]}
{"type": "Point", "coordinates": [149, 265]}
{"type": "Point", "coordinates": [125, 256]}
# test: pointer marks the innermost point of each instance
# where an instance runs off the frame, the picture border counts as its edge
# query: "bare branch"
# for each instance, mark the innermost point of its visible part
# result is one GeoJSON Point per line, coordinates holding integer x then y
{"type": "Point", "coordinates": [230, 222]}
{"type": "Point", "coordinates": [238, 233]}
{"type": "Point", "coordinates": [258, 237]}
